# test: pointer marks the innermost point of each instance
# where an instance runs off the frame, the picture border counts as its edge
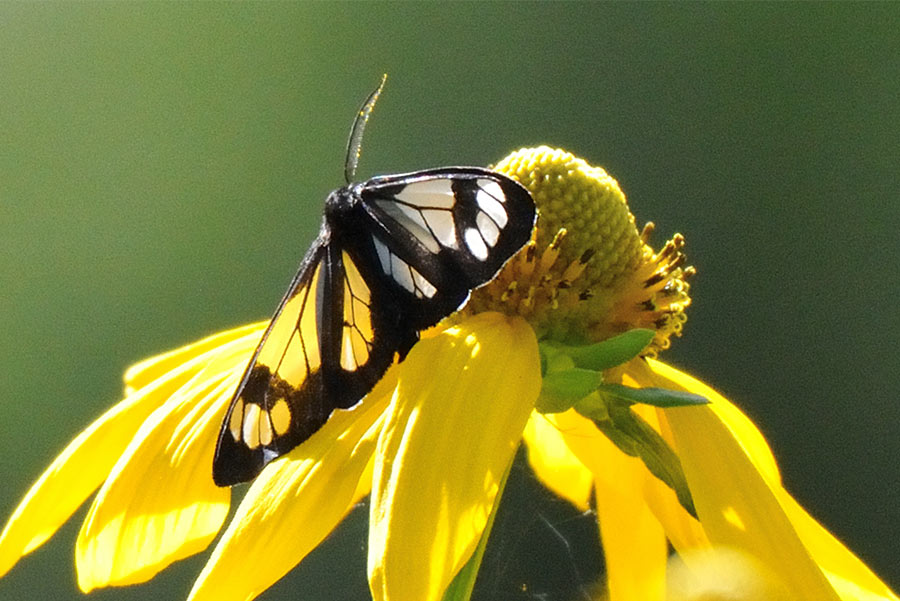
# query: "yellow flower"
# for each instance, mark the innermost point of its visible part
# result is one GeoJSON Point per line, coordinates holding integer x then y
{"type": "Point", "coordinates": [433, 441]}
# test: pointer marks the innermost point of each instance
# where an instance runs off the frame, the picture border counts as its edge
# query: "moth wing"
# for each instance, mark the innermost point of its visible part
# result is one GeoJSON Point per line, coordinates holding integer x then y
{"type": "Point", "coordinates": [281, 382]}
{"type": "Point", "coordinates": [442, 232]}
{"type": "Point", "coordinates": [369, 283]}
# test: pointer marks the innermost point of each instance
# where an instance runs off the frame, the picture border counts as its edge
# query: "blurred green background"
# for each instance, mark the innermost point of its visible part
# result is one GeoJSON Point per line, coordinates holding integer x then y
{"type": "Point", "coordinates": [163, 169]}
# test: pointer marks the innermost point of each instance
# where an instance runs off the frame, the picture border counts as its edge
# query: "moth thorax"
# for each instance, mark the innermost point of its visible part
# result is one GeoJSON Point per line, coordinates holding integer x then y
{"type": "Point", "coordinates": [340, 203]}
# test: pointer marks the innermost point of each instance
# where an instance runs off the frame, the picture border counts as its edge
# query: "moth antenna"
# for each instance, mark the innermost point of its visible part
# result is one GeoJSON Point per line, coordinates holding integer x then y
{"type": "Point", "coordinates": [354, 144]}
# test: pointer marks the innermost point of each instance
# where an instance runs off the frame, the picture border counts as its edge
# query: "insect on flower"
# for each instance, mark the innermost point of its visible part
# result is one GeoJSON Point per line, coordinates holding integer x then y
{"type": "Point", "coordinates": [395, 255]}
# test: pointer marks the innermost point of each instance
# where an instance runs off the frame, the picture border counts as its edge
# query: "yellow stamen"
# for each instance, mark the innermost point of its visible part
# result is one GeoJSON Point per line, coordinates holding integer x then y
{"type": "Point", "coordinates": [587, 273]}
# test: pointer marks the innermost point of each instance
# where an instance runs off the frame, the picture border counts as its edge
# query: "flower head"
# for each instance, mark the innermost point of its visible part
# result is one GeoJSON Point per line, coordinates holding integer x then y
{"type": "Point", "coordinates": [572, 326]}
{"type": "Point", "coordinates": [588, 273]}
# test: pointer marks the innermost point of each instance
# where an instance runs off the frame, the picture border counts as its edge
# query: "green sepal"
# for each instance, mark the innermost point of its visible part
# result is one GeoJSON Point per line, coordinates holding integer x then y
{"type": "Point", "coordinates": [658, 397]}
{"type": "Point", "coordinates": [572, 372]}
{"type": "Point", "coordinates": [560, 390]}
{"type": "Point", "coordinates": [636, 438]}
{"type": "Point", "coordinates": [609, 353]}
{"type": "Point", "coordinates": [554, 358]}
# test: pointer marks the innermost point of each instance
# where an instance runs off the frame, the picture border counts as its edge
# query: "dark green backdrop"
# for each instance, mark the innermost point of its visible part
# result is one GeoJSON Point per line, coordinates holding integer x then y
{"type": "Point", "coordinates": [162, 168]}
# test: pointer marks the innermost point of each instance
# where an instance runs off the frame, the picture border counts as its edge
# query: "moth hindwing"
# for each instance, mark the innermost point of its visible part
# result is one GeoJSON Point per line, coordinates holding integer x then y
{"type": "Point", "coordinates": [395, 254]}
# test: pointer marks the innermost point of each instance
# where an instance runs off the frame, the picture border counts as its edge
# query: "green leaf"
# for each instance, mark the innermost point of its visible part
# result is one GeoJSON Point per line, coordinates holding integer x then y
{"type": "Point", "coordinates": [560, 390]}
{"type": "Point", "coordinates": [611, 352]}
{"type": "Point", "coordinates": [658, 397]}
{"type": "Point", "coordinates": [636, 438]}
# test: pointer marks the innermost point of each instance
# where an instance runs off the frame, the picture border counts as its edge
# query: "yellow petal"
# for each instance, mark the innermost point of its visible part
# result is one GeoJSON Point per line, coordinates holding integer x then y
{"type": "Point", "coordinates": [462, 401]}
{"type": "Point", "coordinates": [295, 502]}
{"type": "Point", "coordinates": [142, 373]}
{"type": "Point", "coordinates": [586, 443]}
{"type": "Point", "coordinates": [850, 590]}
{"type": "Point", "coordinates": [736, 506]}
{"type": "Point", "coordinates": [88, 459]}
{"type": "Point", "coordinates": [684, 532]}
{"type": "Point", "coordinates": [623, 484]}
{"type": "Point", "coordinates": [733, 499]}
{"type": "Point", "coordinates": [849, 576]}
{"type": "Point", "coordinates": [634, 543]}
{"type": "Point", "coordinates": [743, 430]}
{"type": "Point", "coordinates": [554, 463]}
{"type": "Point", "coordinates": [159, 503]}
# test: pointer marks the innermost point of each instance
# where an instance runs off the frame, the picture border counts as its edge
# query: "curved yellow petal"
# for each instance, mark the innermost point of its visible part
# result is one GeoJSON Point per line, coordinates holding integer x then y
{"type": "Point", "coordinates": [681, 528]}
{"type": "Point", "coordinates": [736, 506]}
{"type": "Point", "coordinates": [295, 502]}
{"type": "Point", "coordinates": [159, 503]}
{"type": "Point", "coordinates": [647, 493]}
{"type": "Point", "coordinates": [554, 464]}
{"type": "Point", "coordinates": [88, 459]}
{"type": "Point", "coordinates": [744, 431]}
{"type": "Point", "coordinates": [851, 590]}
{"type": "Point", "coordinates": [71, 478]}
{"type": "Point", "coordinates": [142, 373]}
{"type": "Point", "coordinates": [462, 401]}
{"type": "Point", "coordinates": [634, 543]}
{"type": "Point", "coordinates": [733, 499]}
{"type": "Point", "coordinates": [851, 578]}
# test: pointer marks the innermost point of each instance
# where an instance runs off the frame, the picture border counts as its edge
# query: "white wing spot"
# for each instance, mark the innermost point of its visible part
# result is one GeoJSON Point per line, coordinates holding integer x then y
{"type": "Point", "coordinates": [401, 273]}
{"type": "Point", "coordinates": [441, 223]}
{"type": "Point", "coordinates": [489, 230]}
{"type": "Point", "coordinates": [476, 244]}
{"type": "Point", "coordinates": [492, 188]}
{"type": "Point", "coordinates": [384, 255]}
{"type": "Point", "coordinates": [423, 286]}
{"type": "Point", "coordinates": [250, 429]}
{"type": "Point", "coordinates": [490, 206]}
{"type": "Point", "coordinates": [433, 193]}
{"type": "Point", "coordinates": [235, 422]}
{"type": "Point", "coordinates": [348, 361]}
{"type": "Point", "coordinates": [412, 220]}
{"type": "Point", "coordinates": [265, 429]}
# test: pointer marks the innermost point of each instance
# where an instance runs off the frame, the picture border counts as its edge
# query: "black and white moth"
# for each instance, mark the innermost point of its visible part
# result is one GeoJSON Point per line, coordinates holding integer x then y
{"type": "Point", "coordinates": [394, 255]}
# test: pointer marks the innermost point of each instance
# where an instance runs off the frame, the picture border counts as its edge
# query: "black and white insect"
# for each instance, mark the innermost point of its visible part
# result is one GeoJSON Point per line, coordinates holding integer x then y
{"type": "Point", "coordinates": [395, 255]}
